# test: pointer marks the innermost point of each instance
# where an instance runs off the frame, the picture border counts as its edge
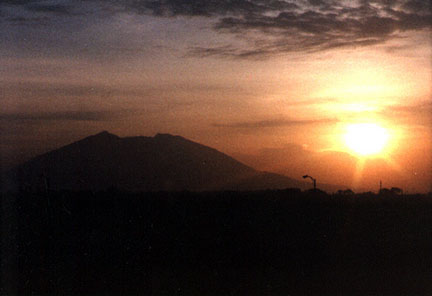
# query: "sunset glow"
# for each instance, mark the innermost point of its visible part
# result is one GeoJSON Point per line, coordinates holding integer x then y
{"type": "Point", "coordinates": [291, 87]}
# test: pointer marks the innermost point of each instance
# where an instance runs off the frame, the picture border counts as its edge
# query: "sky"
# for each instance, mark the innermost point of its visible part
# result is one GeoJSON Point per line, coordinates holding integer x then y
{"type": "Point", "coordinates": [276, 84]}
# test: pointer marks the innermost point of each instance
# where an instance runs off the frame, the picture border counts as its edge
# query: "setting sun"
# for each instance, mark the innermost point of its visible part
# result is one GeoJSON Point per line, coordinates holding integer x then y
{"type": "Point", "coordinates": [366, 138]}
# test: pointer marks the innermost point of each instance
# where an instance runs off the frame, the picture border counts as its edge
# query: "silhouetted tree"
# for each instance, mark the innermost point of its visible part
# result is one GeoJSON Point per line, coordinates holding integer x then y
{"type": "Point", "coordinates": [345, 192]}
{"type": "Point", "coordinates": [348, 192]}
{"type": "Point", "coordinates": [396, 191]}
{"type": "Point", "coordinates": [385, 192]}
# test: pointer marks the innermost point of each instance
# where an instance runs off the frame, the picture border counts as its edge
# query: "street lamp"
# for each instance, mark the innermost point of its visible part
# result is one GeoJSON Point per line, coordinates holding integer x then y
{"type": "Point", "coordinates": [314, 180]}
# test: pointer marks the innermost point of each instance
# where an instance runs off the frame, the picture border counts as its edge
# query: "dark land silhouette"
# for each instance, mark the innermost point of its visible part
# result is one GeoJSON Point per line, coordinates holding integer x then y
{"type": "Point", "coordinates": [274, 242]}
{"type": "Point", "coordinates": [162, 162]}
{"type": "Point", "coordinates": [166, 216]}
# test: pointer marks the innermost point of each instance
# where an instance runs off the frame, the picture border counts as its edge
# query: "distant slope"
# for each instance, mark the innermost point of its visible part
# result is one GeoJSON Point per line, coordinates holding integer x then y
{"type": "Point", "coordinates": [267, 180]}
{"type": "Point", "coordinates": [162, 162]}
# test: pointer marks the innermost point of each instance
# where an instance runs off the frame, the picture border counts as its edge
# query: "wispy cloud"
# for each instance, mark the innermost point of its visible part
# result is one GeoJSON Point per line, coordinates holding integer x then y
{"type": "Point", "coordinates": [208, 8]}
{"type": "Point", "coordinates": [41, 12]}
{"type": "Point", "coordinates": [274, 27]}
{"type": "Point", "coordinates": [417, 114]}
{"type": "Point", "coordinates": [268, 28]}
{"type": "Point", "coordinates": [273, 123]}
{"type": "Point", "coordinates": [59, 9]}
{"type": "Point", "coordinates": [65, 116]}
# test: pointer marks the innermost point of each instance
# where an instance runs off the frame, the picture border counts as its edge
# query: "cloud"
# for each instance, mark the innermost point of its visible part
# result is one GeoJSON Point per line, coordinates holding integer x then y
{"type": "Point", "coordinates": [267, 28]}
{"type": "Point", "coordinates": [274, 123]}
{"type": "Point", "coordinates": [417, 6]}
{"type": "Point", "coordinates": [34, 89]}
{"type": "Point", "coordinates": [207, 8]}
{"type": "Point", "coordinates": [418, 114]}
{"type": "Point", "coordinates": [39, 6]}
{"type": "Point", "coordinates": [64, 116]}
{"type": "Point", "coordinates": [413, 109]}
{"type": "Point", "coordinates": [38, 12]}
{"type": "Point", "coordinates": [53, 8]}
{"type": "Point", "coordinates": [274, 27]}
{"type": "Point", "coordinates": [20, 20]}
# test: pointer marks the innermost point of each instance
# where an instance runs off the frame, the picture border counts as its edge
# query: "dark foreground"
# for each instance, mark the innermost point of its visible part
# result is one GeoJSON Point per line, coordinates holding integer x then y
{"type": "Point", "coordinates": [226, 243]}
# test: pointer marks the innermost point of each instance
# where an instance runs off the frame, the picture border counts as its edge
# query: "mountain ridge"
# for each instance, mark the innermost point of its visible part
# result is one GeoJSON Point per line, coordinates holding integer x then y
{"type": "Point", "coordinates": [163, 162]}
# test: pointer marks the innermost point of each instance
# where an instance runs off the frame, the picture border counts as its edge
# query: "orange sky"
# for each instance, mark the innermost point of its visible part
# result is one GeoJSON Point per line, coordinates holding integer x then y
{"type": "Point", "coordinates": [275, 88]}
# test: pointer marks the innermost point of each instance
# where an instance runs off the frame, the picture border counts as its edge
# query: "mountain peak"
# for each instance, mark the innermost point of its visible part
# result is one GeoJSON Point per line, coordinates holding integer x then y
{"type": "Point", "coordinates": [105, 134]}
{"type": "Point", "coordinates": [102, 136]}
{"type": "Point", "coordinates": [161, 135]}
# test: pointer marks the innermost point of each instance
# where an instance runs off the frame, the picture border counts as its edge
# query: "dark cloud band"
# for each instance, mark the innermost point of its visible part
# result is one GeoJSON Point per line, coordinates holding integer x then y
{"type": "Point", "coordinates": [64, 116]}
{"type": "Point", "coordinates": [268, 27]}
{"type": "Point", "coordinates": [274, 123]}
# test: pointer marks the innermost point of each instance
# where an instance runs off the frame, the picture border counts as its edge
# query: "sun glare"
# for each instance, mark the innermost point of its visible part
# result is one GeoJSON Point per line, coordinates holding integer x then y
{"type": "Point", "coordinates": [366, 138]}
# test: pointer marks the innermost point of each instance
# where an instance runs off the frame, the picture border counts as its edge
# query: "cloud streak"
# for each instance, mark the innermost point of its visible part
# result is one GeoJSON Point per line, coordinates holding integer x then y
{"type": "Point", "coordinates": [419, 114]}
{"type": "Point", "coordinates": [274, 123]}
{"type": "Point", "coordinates": [267, 27]}
{"type": "Point", "coordinates": [274, 27]}
{"type": "Point", "coordinates": [65, 116]}
{"type": "Point", "coordinates": [38, 6]}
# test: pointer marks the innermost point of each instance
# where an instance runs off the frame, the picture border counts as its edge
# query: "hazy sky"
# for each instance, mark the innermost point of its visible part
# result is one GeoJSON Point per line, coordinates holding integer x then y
{"type": "Point", "coordinates": [273, 83]}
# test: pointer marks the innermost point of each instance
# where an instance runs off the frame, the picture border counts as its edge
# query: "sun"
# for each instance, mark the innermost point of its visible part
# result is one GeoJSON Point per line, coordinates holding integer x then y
{"type": "Point", "coordinates": [366, 138]}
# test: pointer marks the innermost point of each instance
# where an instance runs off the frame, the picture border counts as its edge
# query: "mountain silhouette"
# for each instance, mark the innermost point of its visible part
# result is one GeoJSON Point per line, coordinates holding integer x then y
{"type": "Point", "coordinates": [162, 162]}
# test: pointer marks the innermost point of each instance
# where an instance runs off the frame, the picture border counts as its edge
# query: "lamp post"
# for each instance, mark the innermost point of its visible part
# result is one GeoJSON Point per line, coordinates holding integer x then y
{"type": "Point", "coordinates": [314, 180]}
